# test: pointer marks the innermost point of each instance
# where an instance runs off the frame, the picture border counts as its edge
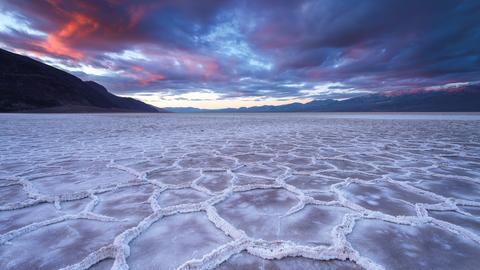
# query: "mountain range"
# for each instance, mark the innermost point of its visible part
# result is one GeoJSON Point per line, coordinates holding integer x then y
{"type": "Point", "coordinates": [465, 99]}
{"type": "Point", "coordinates": [27, 85]}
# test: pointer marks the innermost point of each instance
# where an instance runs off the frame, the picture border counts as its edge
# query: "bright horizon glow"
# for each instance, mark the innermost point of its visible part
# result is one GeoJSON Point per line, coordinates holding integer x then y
{"type": "Point", "coordinates": [180, 102]}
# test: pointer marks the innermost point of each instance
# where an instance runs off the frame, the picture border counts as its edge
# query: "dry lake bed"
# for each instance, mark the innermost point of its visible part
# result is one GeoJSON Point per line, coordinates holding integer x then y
{"type": "Point", "coordinates": [240, 191]}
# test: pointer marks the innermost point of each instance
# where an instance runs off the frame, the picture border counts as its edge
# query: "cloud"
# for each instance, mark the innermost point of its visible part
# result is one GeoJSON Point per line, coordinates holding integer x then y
{"type": "Point", "coordinates": [249, 49]}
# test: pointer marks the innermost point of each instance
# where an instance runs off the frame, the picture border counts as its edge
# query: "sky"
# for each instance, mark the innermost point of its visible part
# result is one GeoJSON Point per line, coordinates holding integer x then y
{"type": "Point", "coordinates": [220, 53]}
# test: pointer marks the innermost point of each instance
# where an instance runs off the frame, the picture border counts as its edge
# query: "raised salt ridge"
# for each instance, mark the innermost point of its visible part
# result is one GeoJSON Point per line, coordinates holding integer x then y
{"type": "Point", "coordinates": [229, 191]}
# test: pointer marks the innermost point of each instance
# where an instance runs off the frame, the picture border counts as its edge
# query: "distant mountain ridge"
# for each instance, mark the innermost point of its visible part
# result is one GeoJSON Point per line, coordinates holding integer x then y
{"type": "Point", "coordinates": [27, 85]}
{"type": "Point", "coordinates": [466, 99]}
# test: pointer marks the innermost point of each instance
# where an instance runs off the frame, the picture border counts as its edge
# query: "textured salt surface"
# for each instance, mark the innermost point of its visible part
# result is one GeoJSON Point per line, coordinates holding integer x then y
{"type": "Point", "coordinates": [245, 261]}
{"type": "Point", "coordinates": [239, 191]}
{"type": "Point", "coordinates": [414, 247]}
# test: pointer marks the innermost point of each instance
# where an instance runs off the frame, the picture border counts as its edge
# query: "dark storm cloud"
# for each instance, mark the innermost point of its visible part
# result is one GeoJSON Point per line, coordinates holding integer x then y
{"type": "Point", "coordinates": [276, 49]}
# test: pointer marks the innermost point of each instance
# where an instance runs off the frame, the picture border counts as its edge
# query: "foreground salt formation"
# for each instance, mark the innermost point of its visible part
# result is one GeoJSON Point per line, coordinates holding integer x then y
{"type": "Point", "coordinates": [253, 191]}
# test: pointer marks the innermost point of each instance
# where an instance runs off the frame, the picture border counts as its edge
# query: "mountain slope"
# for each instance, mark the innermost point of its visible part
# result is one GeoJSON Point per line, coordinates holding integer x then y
{"type": "Point", "coordinates": [29, 85]}
{"type": "Point", "coordinates": [460, 100]}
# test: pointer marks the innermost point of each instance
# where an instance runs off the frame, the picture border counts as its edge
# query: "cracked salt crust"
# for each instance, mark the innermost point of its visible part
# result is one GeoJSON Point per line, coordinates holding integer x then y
{"type": "Point", "coordinates": [283, 191]}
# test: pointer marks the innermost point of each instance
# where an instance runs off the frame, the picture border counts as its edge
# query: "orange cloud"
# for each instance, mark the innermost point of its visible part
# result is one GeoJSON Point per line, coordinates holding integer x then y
{"type": "Point", "coordinates": [79, 26]}
{"type": "Point", "coordinates": [143, 76]}
{"type": "Point", "coordinates": [58, 43]}
{"type": "Point", "coordinates": [147, 79]}
{"type": "Point", "coordinates": [56, 46]}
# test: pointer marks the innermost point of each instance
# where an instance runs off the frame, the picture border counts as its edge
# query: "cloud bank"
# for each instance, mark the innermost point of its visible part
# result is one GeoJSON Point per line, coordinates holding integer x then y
{"type": "Point", "coordinates": [251, 50]}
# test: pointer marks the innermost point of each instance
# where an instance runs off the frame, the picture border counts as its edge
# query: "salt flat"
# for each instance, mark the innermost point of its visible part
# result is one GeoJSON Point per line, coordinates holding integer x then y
{"type": "Point", "coordinates": [240, 191]}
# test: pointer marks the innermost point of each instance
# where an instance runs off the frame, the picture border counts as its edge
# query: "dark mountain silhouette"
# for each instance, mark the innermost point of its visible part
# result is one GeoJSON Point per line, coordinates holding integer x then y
{"type": "Point", "coordinates": [28, 85]}
{"type": "Point", "coordinates": [466, 99]}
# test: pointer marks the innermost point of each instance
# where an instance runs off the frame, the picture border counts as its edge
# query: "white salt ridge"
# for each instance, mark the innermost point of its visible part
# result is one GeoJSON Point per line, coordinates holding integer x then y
{"type": "Point", "coordinates": [273, 152]}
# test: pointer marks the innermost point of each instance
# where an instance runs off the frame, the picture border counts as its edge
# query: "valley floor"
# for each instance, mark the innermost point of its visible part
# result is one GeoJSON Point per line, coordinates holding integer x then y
{"type": "Point", "coordinates": [239, 191]}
